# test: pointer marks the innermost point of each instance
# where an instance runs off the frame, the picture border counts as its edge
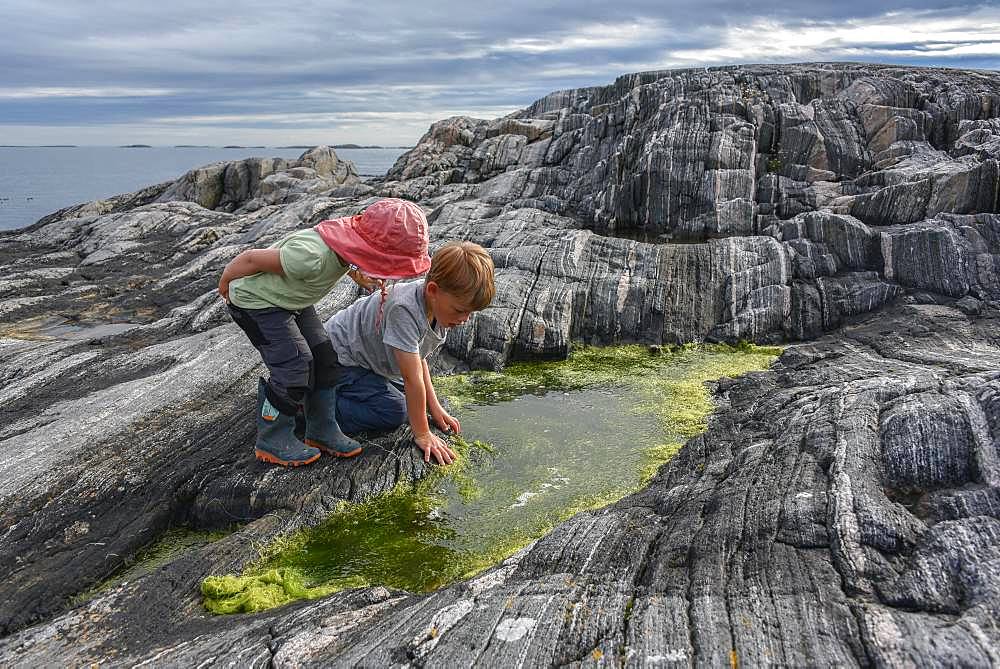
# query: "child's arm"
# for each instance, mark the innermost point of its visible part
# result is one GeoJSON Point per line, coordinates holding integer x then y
{"type": "Point", "coordinates": [416, 408]}
{"type": "Point", "coordinates": [251, 261]}
{"type": "Point", "coordinates": [442, 418]}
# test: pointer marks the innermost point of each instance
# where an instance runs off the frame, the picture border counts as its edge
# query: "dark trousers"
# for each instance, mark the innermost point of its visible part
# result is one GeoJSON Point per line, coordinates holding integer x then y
{"type": "Point", "coordinates": [296, 350]}
{"type": "Point", "coordinates": [367, 401]}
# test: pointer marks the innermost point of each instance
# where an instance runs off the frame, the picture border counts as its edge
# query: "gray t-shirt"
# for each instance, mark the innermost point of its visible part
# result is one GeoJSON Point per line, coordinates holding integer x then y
{"type": "Point", "coordinates": [404, 326]}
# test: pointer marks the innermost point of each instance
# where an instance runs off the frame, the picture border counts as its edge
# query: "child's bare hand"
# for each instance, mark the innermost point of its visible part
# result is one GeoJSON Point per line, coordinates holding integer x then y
{"type": "Point", "coordinates": [224, 290]}
{"type": "Point", "coordinates": [445, 421]}
{"type": "Point", "coordinates": [367, 283]}
{"type": "Point", "coordinates": [431, 444]}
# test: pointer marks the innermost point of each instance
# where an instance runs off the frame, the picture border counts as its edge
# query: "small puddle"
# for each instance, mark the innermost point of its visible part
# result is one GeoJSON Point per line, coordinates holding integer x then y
{"type": "Point", "coordinates": [169, 546]}
{"type": "Point", "coordinates": [546, 440]}
{"type": "Point", "coordinates": [47, 328]}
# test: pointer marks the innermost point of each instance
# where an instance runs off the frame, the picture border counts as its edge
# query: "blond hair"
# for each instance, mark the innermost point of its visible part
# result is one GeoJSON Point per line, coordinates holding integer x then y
{"type": "Point", "coordinates": [464, 270]}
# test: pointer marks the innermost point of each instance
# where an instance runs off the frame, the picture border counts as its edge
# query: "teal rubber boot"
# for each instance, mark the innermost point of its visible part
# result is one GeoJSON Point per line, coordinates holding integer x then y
{"type": "Point", "coordinates": [322, 430]}
{"type": "Point", "coordinates": [276, 442]}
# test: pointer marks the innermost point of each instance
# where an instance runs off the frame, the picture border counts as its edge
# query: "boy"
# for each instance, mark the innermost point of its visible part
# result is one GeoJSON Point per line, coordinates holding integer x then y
{"type": "Point", "coordinates": [271, 293]}
{"type": "Point", "coordinates": [384, 343]}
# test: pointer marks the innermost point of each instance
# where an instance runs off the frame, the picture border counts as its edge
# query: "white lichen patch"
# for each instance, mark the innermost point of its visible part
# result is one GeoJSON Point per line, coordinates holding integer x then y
{"type": "Point", "coordinates": [442, 621]}
{"type": "Point", "coordinates": [513, 629]}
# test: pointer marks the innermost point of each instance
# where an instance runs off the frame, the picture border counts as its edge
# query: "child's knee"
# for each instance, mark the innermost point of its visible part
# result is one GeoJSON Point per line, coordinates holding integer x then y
{"type": "Point", "coordinates": [325, 365]}
{"type": "Point", "coordinates": [397, 410]}
{"type": "Point", "coordinates": [290, 368]}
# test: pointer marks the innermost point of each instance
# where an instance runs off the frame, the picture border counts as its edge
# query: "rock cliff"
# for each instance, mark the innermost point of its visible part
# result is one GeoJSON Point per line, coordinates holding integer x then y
{"type": "Point", "coordinates": [841, 509]}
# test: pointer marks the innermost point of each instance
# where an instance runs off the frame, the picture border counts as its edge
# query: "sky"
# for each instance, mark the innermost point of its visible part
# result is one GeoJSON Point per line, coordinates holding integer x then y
{"type": "Point", "coordinates": [111, 72]}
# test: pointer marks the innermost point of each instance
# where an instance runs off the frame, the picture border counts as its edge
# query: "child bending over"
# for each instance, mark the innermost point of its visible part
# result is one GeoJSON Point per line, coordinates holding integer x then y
{"type": "Point", "coordinates": [271, 293]}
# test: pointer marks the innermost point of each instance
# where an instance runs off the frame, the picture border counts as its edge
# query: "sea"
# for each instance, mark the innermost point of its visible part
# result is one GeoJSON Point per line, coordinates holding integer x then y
{"type": "Point", "coordinates": [38, 180]}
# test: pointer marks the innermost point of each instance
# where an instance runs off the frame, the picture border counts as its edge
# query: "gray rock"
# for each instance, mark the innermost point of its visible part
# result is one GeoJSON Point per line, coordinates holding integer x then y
{"type": "Point", "coordinates": [853, 244]}
{"type": "Point", "coordinates": [230, 186]}
{"type": "Point", "coordinates": [952, 256]}
{"type": "Point", "coordinates": [899, 203]}
{"type": "Point", "coordinates": [841, 509]}
{"type": "Point", "coordinates": [781, 517]}
{"type": "Point", "coordinates": [969, 306]}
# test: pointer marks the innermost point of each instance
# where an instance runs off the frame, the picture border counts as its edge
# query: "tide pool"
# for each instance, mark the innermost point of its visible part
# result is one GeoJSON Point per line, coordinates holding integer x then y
{"type": "Point", "coordinates": [541, 442]}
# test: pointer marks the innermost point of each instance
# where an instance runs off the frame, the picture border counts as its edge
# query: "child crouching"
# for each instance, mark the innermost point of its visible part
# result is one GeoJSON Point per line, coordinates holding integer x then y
{"type": "Point", "coordinates": [383, 344]}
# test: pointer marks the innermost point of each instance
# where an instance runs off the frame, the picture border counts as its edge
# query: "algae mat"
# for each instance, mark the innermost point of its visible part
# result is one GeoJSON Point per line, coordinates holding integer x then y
{"type": "Point", "coordinates": [545, 440]}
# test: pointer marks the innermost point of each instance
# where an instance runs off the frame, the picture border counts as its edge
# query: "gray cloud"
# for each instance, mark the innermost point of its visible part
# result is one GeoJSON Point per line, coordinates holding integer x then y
{"type": "Point", "coordinates": [311, 71]}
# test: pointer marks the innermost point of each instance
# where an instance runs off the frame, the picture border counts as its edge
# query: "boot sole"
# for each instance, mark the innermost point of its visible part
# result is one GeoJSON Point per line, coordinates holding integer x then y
{"type": "Point", "coordinates": [264, 456]}
{"type": "Point", "coordinates": [330, 451]}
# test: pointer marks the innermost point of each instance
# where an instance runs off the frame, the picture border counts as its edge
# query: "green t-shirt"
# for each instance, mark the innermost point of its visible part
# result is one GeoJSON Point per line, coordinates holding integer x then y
{"type": "Point", "coordinates": [311, 269]}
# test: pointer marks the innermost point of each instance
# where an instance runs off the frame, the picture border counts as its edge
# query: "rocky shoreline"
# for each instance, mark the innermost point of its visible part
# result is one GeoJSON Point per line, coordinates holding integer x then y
{"type": "Point", "coordinates": [841, 509]}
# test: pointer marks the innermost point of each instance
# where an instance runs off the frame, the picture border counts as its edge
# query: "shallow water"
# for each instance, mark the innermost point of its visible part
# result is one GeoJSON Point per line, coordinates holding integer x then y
{"type": "Point", "coordinates": [559, 438]}
{"type": "Point", "coordinates": [48, 328]}
{"type": "Point", "coordinates": [550, 453]}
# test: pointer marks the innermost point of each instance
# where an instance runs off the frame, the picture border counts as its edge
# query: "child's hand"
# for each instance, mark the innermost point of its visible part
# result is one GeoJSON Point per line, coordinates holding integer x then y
{"type": "Point", "coordinates": [224, 289]}
{"type": "Point", "coordinates": [367, 283]}
{"type": "Point", "coordinates": [431, 444]}
{"type": "Point", "coordinates": [445, 421]}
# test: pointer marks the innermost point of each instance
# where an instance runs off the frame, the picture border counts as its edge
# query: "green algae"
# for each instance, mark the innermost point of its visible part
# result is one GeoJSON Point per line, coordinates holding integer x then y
{"type": "Point", "coordinates": [170, 545]}
{"type": "Point", "coordinates": [590, 366]}
{"type": "Point", "coordinates": [555, 439]}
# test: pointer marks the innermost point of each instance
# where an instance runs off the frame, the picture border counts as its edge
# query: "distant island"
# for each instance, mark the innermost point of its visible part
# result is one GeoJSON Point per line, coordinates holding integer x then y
{"type": "Point", "coordinates": [192, 146]}
{"type": "Point", "coordinates": [38, 146]}
{"type": "Point", "coordinates": [135, 146]}
{"type": "Point", "coordinates": [235, 146]}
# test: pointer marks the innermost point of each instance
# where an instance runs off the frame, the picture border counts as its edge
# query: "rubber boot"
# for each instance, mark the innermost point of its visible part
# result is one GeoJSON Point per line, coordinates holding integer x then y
{"type": "Point", "coordinates": [276, 442]}
{"type": "Point", "coordinates": [322, 430]}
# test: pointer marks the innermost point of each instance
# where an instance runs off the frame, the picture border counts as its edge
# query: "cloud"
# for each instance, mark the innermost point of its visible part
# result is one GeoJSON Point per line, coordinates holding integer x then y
{"type": "Point", "coordinates": [588, 37]}
{"type": "Point", "coordinates": [925, 34]}
{"type": "Point", "coordinates": [330, 119]}
{"type": "Point", "coordinates": [71, 92]}
{"type": "Point", "coordinates": [354, 71]}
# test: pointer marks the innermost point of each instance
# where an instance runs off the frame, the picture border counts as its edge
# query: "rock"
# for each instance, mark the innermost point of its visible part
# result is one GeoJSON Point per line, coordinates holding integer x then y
{"type": "Point", "coordinates": [979, 137]}
{"type": "Point", "coordinates": [548, 269]}
{"type": "Point", "coordinates": [841, 508]}
{"type": "Point", "coordinates": [965, 186]}
{"type": "Point", "coordinates": [884, 126]}
{"type": "Point", "coordinates": [498, 153]}
{"type": "Point", "coordinates": [900, 203]}
{"type": "Point", "coordinates": [324, 161]}
{"type": "Point", "coordinates": [231, 186]}
{"type": "Point", "coordinates": [446, 146]}
{"type": "Point", "coordinates": [789, 477]}
{"type": "Point", "coordinates": [969, 306]}
{"type": "Point", "coordinates": [852, 244]}
{"type": "Point", "coordinates": [685, 165]}
{"type": "Point", "coordinates": [942, 256]}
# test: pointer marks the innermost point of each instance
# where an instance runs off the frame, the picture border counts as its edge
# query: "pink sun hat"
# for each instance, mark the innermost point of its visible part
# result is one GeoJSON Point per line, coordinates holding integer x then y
{"type": "Point", "coordinates": [388, 240]}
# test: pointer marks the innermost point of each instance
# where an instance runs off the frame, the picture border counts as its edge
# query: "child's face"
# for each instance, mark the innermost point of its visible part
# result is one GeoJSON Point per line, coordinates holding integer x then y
{"type": "Point", "coordinates": [447, 309]}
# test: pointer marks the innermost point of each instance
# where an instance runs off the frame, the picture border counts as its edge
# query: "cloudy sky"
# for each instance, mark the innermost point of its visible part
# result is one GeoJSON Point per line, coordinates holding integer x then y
{"type": "Point", "coordinates": [308, 72]}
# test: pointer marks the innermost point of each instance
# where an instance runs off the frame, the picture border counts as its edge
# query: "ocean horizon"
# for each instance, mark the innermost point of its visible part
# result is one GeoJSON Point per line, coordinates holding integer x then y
{"type": "Point", "coordinates": [36, 181]}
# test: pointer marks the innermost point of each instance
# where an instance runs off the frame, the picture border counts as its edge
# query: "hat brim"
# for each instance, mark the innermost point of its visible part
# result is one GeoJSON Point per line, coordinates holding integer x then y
{"type": "Point", "coordinates": [350, 246]}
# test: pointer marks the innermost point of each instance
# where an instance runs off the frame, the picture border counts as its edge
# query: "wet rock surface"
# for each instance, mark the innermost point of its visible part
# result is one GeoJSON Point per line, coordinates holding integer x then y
{"type": "Point", "coordinates": [842, 507]}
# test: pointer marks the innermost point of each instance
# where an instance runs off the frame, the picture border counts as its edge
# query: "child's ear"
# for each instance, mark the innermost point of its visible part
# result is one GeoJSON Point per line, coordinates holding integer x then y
{"type": "Point", "coordinates": [432, 288]}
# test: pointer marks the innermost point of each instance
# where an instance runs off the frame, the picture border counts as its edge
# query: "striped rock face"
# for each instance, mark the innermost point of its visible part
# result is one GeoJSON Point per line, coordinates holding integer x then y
{"type": "Point", "coordinates": [841, 509]}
